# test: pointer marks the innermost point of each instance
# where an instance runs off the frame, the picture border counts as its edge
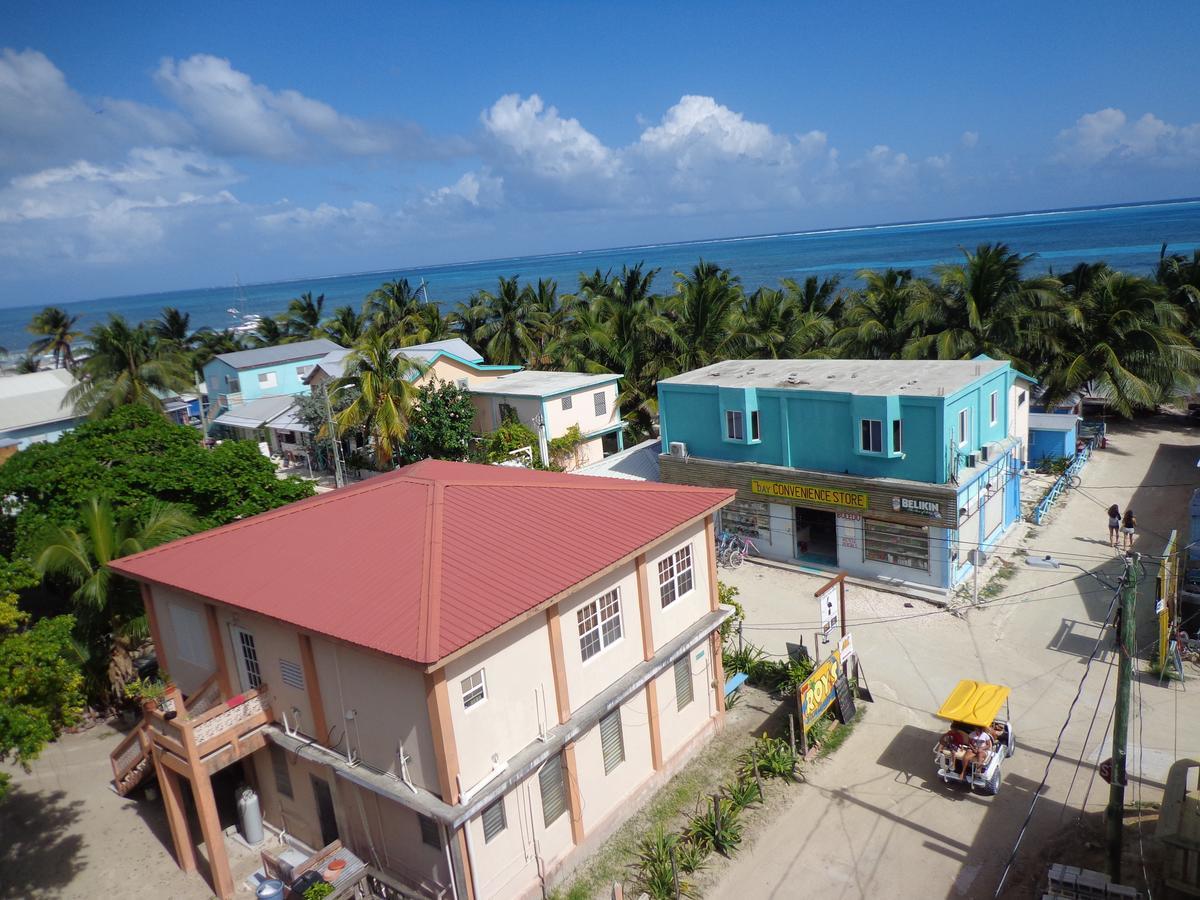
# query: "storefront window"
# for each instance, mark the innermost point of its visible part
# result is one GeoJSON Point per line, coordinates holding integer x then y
{"type": "Point", "coordinates": [897, 545]}
{"type": "Point", "coordinates": [748, 517]}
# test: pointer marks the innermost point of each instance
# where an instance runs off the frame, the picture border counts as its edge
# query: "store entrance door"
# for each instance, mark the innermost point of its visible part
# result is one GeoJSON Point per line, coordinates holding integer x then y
{"type": "Point", "coordinates": [816, 536]}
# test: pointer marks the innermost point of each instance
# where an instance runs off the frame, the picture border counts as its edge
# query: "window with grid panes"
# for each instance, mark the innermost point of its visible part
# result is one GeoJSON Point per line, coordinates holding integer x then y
{"type": "Point", "coordinates": [554, 789]}
{"type": "Point", "coordinates": [474, 689]}
{"type": "Point", "coordinates": [431, 834]}
{"type": "Point", "coordinates": [683, 682]}
{"type": "Point", "coordinates": [675, 576]}
{"type": "Point", "coordinates": [567, 402]}
{"type": "Point", "coordinates": [493, 820]}
{"type": "Point", "coordinates": [599, 623]}
{"type": "Point", "coordinates": [601, 403]}
{"type": "Point", "coordinates": [612, 741]}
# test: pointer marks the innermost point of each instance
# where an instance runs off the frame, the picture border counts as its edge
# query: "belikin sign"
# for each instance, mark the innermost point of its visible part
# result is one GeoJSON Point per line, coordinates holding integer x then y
{"type": "Point", "coordinates": [917, 507]}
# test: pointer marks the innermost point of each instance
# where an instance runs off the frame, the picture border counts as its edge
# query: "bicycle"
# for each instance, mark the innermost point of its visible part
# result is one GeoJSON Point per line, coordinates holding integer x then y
{"type": "Point", "coordinates": [740, 549]}
{"type": "Point", "coordinates": [725, 541]}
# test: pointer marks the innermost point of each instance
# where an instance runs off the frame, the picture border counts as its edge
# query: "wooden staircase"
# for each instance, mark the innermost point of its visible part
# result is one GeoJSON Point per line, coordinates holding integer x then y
{"type": "Point", "coordinates": [132, 763]}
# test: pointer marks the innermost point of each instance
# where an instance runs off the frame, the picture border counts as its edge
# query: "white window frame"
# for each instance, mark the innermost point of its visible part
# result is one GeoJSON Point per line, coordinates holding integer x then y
{"type": "Point", "coordinates": [675, 570]}
{"type": "Point", "coordinates": [866, 440]}
{"type": "Point", "coordinates": [601, 403]}
{"type": "Point", "coordinates": [268, 380]}
{"type": "Point", "coordinates": [304, 371]}
{"type": "Point", "coordinates": [993, 401]}
{"type": "Point", "coordinates": [735, 425]}
{"type": "Point", "coordinates": [897, 435]}
{"type": "Point", "coordinates": [249, 670]}
{"type": "Point", "coordinates": [592, 619]}
{"type": "Point", "coordinates": [964, 426]}
{"type": "Point", "coordinates": [474, 692]}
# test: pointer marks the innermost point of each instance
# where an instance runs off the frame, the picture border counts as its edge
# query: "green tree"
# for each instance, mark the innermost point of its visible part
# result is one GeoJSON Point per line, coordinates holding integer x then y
{"type": "Point", "coordinates": [269, 332]}
{"type": "Point", "coordinates": [704, 312]}
{"type": "Point", "coordinates": [511, 436]}
{"type": "Point", "coordinates": [1179, 276]}
{"type": "Point", "coordinates": [109, 616]}
{"type": "Point", "coordinates": [128, 366]}
{"type": "Point", "coordinates": [774, 325]}
{"type": "Point", "coordinates": [302, 321]}
{"type": "Point", "coordinates": [511, 322]}
{"type": "Point", "coordinates": [347, 327]}
{"type": "Point", "coordinates": [380, 382]}
{"type": "Point", "coordinates": [41, 687]}
{"type": "Point", "coordinates": [440, 425]}
{"type": "Point", "coordinates": [132, 459]}
{"type": "Point", "coordinates": [875, 322]}
{"type": "Point", "coordinates": [390, 307]}
{"type": "Point", "coordinates": [55, 330]}
{"type": "Point", "coordinates": [175, 327]}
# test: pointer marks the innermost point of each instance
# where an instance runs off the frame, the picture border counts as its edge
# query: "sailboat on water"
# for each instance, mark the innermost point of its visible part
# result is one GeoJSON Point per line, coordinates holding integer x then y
{"type": "Point", "coordinates": [244, 322]}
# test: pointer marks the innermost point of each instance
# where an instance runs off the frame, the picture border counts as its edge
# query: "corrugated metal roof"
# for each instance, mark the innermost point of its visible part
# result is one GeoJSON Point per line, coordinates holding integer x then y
{"type": "Point", "coordinates": [35, 399]}
{"type": "Point", "coordinates": [256, 412]}
{"type": "Point", "coordinates": [280, 353]}
{"type": "Point", "coordinates": [638, 463]}
{"type": "Point", "coordinates": [423, 561]}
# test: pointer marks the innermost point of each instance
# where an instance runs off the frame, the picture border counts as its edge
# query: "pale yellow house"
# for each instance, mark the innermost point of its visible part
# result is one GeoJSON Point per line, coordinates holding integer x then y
{"type": "Point", "coordinates": [466, 674]}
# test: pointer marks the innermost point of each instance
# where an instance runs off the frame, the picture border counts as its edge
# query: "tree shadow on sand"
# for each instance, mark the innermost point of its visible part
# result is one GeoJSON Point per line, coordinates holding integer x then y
{"type": "Point", "coordinates": [38, 854]}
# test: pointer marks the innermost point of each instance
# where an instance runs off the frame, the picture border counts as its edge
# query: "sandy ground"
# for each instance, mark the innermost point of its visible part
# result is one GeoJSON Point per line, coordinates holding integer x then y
{"type": "Point", "coordinates": [874, 820]}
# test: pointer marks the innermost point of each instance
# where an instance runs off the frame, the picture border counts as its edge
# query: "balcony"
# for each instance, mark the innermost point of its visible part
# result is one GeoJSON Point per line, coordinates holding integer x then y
{"type": "Point", "coordinates": [199, 736]}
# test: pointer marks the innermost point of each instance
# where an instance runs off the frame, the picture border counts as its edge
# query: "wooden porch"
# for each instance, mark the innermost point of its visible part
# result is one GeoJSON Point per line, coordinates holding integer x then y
{"type": "Point", "coordinates": [192, 740]}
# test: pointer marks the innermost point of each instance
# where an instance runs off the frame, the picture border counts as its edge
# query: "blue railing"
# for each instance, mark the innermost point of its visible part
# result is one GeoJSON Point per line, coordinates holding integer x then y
{"type": "Point", "coordinates": [1063, 481]}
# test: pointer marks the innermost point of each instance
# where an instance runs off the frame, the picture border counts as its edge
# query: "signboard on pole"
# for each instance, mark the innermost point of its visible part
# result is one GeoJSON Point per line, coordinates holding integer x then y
{"type": "Point", "coordinates": [846, 648]}
{"type": "Point", "coordinates": [829, 609]}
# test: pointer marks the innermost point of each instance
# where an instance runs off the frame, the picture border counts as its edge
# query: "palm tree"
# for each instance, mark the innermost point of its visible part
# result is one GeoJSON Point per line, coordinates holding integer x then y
{"type": "Point", "coordinates": [302, 321]}
{"type": "Point", "coordinates": [1127, 346]}
{"type": "Point", "coordinates": [875, 322]}
{"type": "Point", "coordinates": [27, 365]}
{"type": "Point", "coordinates": [775, 326]}
{"type": "Point", "coordinates": [816, 294]}
{"type": "Point", "coordinates": [378, 383]}
{"type": "Point", "coordinates": [175, 327]}
{"type": "Point", "coordinates": [110, 621]}
{"type": "Point", "coordinates": [269, 332]}
{"type": "Point", "coordinates": [467, 320]}
{"type": "Point", "coordinates": [128, 365]}
{"type": "Point", "coordinates": [55, 328]}
{"type": "Point", "coordinates": [390, 306]}
{"type": "Point", "coordinates": [703, 310]}
{"type": "Point", "coordinates": [427, 324]}
{"type": "Point", "coordinates": [511, 320]}
{"type": "Point", "coordinates": [209, 343]}
{"type": "Point", "coordinates": [346, 327]}
{"type": "Point", "coordinates": [1180, 277]}
{"type": "Point", "coordinates": [985, 307]}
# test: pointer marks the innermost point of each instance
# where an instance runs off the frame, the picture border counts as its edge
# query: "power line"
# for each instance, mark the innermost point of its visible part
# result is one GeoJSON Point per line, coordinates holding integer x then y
{"type": "Point", "coordinates": [1057, 746]}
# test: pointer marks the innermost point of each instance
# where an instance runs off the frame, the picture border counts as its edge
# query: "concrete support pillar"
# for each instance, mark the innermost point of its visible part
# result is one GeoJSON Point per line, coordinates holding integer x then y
{"type": "Point", "coordinates": [214, 838]}
{"type": "Point", "coordinates": [643, 585]}
{"type": "Point", "coordinates": [574, 803]}
{"type": "Point", "coordinates": [656, 754]}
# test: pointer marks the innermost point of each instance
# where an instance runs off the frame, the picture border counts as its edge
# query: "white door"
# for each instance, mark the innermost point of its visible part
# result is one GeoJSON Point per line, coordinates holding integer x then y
{"type": "Point", "coordinates": [246, 654]}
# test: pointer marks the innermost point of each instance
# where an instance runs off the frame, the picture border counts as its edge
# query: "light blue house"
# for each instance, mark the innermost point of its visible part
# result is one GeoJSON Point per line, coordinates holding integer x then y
{"type": "Point", "coordinates": [34, 408]}
{"type": "Point", "coordinates": [890, 469]}
{"type": "Point", "coordinates": [233, 379]}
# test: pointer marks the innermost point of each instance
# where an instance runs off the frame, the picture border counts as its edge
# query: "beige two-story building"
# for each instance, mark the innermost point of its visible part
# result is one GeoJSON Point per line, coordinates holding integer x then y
{"type": "Point", "coordinates": [466, 674]}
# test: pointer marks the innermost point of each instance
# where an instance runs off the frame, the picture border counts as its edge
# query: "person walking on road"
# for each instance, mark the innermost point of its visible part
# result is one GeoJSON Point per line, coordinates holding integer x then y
{"type": "Point", "coordinates": [1128, 526]}
{"type": "Point", "coordinates": [1114, 525]}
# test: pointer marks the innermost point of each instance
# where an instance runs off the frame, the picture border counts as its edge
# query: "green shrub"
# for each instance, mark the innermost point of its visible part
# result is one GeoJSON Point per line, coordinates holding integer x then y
{"type": "Point", "coordinates": [743, 791]}
{"type": "Point", "coordinates": [690, 856]}
{"type": "Point", "coordinates": [653, 873]}
{"type": "Point", "coordinates": [774, 757]}
{"type": "Point", "coordinates": [743, 660]}
{"type": "Point", "coordinates": [727, 596]}
{"type": "Point", "coordinates": [318, 891]}
{"type": "Point", "coordinates": [716, 827]}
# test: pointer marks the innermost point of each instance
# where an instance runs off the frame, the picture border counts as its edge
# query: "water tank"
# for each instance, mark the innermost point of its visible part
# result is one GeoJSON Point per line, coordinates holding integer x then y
{"type": "Point", "coordinates": [250, 816]}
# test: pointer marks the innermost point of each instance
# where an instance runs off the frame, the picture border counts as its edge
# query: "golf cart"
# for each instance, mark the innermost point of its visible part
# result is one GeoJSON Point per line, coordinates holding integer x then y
{"type": "Point", "coordinates": [963, 754]}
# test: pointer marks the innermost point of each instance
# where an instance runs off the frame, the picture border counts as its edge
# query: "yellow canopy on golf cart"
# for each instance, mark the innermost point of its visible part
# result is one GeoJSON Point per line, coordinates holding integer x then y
{"type": "Point", "coordinates": [974, 703]}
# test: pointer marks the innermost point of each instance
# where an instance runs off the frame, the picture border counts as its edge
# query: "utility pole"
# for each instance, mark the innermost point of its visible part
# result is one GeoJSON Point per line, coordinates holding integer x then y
{"type": "Point", "coordinates": [338, 479]}
{"type": "Point", "coordinates": [1126, 632]}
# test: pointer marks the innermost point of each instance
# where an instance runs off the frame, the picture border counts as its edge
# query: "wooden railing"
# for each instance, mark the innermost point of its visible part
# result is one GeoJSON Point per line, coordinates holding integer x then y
{"type": "Point", "coordinates": [372, 884]}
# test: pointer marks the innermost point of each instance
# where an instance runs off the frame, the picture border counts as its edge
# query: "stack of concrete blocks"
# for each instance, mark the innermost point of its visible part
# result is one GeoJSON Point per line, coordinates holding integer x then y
{"type": "Point", "coordinates": [1084, 884]}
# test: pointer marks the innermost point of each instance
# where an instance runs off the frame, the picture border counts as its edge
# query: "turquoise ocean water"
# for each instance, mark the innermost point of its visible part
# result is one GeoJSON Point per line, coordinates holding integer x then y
{"type": "Point", "coordinates": [1128, 237]}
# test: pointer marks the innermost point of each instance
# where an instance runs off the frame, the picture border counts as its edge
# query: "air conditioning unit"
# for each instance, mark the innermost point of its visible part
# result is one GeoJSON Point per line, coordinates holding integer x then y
{"type": "Point", "coordinates": [679, 449]}
{"type": "Point", "coordinates": [986, 451]}
{"type": "Point", "coordinates": [972, 460]}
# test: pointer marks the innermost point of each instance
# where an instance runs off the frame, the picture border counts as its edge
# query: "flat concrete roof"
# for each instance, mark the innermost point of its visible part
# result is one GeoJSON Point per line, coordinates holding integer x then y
{"type": "Point", "coordinates": [540, 384]}
{"type": "Point", "coordinates": [916, 377]}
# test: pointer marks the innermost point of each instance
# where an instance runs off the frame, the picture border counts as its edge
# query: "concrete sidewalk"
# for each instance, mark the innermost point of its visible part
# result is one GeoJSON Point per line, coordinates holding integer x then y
{"type": "Point", "coordinates": [874, 820]}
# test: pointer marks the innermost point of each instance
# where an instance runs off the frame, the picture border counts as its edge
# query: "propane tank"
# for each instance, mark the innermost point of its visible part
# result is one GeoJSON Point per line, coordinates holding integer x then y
{"type": "Point", "coordinates": [250, 816]}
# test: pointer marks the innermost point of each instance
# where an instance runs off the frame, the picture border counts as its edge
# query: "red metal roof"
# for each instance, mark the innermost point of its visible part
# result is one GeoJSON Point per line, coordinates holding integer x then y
{"type": "Point", "coordinates": [423, 561]}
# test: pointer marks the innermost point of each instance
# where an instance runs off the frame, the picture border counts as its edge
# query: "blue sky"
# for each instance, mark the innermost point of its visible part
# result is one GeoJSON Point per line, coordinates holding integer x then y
{"type": "Point", "coordinates": [146, 147]}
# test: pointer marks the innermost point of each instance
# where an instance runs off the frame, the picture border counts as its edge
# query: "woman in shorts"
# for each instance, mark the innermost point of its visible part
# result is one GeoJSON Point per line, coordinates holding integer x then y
{"type": "Point", "coordinates": [1128, 525]}
{"type": "Point", "coordinates": [1114, 525]}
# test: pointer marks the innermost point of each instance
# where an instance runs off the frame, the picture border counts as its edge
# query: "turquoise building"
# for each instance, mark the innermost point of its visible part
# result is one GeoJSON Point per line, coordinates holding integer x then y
{"type": "Point", "coordinates": [234, 379]}
{"type": "Point", "coordinates": [890, 469]}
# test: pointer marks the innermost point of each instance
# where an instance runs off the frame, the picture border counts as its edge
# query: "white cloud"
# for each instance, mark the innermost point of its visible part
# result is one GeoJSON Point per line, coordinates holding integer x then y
{"type": "Point", "coordinates": [477, 189]}
{"type": "Point", "coordinates": [700, 124]}
{"type": "Point", "coordinates": [546, 144]}
{"type": "Point", "coordinates": [323, 216]}
{"type": "Point", "coordinates": [970, 139]}
{"type": "Point", "coordinates": [238, 116]}
{"type": "Point", "coordinates": [1108, 137]}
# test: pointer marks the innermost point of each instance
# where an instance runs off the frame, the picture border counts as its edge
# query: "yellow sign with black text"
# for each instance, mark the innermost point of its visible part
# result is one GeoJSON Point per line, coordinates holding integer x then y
{"type": "Point", "coordinates": [819, 690]}
{"type": "Point", "coordinates": [809, 493]}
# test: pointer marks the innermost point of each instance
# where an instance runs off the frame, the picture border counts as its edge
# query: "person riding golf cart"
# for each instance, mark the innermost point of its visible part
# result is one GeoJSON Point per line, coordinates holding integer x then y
{"type": "Point", "coordinates": [978, 742]}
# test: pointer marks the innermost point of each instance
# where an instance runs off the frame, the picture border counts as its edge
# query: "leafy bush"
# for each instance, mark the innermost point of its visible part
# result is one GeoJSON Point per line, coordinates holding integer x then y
{"type": "Point", "coordinates": [318, 891]}
{"type": "Point", "coordinates": [690, 856]}
{"type": "Point", "coordinates": [727, 596]}
{"type": "Point", "coordinates": [774, 757]}
{"type": "Point", "coordinates": [743, 660]}
{"type": "Point", "coordinates": [716, 827]}
{"type": "Point", "coordinates": [743, 791]}
{"type": "Point", "coordinates": [654, 874]}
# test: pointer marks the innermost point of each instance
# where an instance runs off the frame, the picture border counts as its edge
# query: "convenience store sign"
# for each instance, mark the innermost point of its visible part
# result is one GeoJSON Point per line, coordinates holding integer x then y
{"type": "Point", "coordinates": [809, 493]}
